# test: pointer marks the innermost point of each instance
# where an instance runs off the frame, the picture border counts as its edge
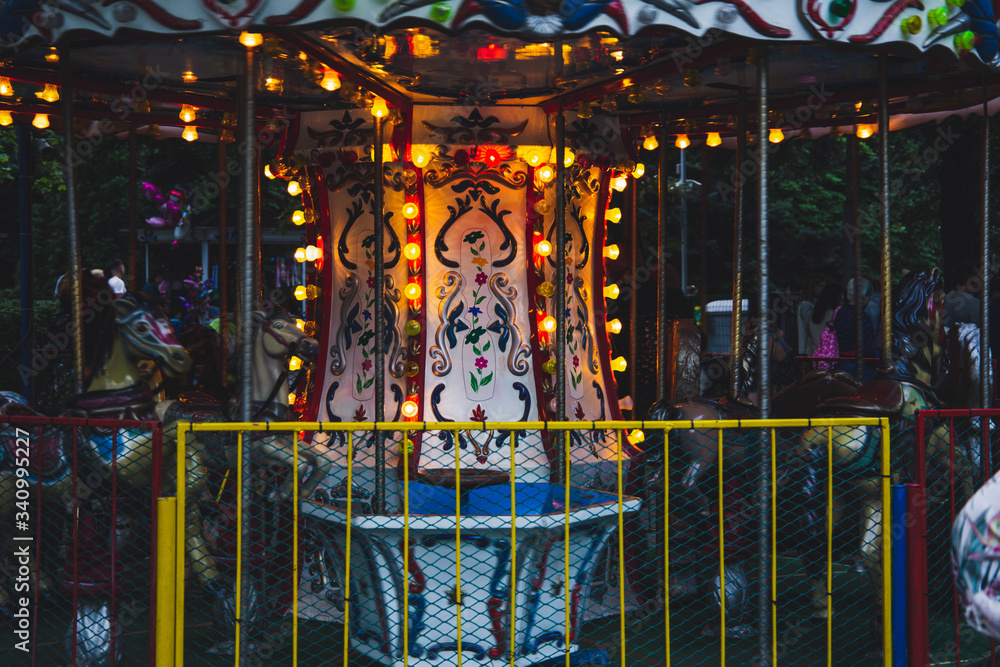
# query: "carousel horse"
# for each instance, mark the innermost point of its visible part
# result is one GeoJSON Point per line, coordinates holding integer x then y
{"type": "Point", "coordinates": [975, 558]}
{"type": "Point", "coordinates": [897, 393]}
{"type": "Point", "coordinates": [275, 339]}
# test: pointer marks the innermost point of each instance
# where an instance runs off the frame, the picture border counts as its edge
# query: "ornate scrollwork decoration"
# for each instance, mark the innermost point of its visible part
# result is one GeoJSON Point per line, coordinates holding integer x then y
{"type": "Point", "coordinates": [462, 206]}
{"type": "Point", "coordinates": [508, 239]}
{"type": "Point", "coordinates": [354, 213]}
{"type": "Point", "coordinates": [342, 340]}
{"type": "Point", "coordinates": [584, 249]}
{"type": "Point", "coordinates": [336, 437]}
{"type": "Point", "coordinates": [476, 173]}
{"type": "Point", "coordinates": [344, 132]}
{"type": "Point", "coordinates": [359, 173]}
{"type": "Point", "coordinates": [447, 293]}
{"type": "Point", "coordinates": [476, 130]}
{"type": "Point", "coordinates": [583, 314]}
{"type": "Point", "coordinates": [397, 180]}
{"type": "Point", "coordinates": [506, 311]}
{"type": "Point", "coordinates": [446, 437]}
{"type": "Point", "coordinates": [524, 396]}
{"type": "Point", "coordinates": [397, 354]}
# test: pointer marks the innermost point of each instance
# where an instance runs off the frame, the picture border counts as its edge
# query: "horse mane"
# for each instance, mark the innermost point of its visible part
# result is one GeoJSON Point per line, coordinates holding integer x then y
{"type": "Point", "coordinates": [101, 332]}
{"type": "Point", "coordinates": [910, 332]}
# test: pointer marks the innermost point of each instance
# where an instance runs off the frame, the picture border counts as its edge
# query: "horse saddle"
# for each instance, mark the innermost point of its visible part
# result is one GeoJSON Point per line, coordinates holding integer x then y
{"type": "Point", "coordinates": [729, 407]}
{"type": "Point", "coordinates": [131, 403]}
{"type": "Point", "coordinates": [882, 397]}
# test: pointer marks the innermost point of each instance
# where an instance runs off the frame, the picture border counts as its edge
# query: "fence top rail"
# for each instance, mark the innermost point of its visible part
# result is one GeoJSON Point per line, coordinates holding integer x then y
{"type": "Point", "coordinates": [959, 412]}
{"type": "Point", "coordinates": [529, 425]}
{"type": "Point", "coordinates": [32, 420]}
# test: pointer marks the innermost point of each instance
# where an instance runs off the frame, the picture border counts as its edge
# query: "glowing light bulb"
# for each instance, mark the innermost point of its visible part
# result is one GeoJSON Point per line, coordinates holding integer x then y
{"type": "Point", "coordinates": [682, 141]}
{"type": "Point", "coordinates": [410, 210]}
{"type": "Point", "coordinates": [330, 80]}
{"type": "Point", "coordinates": [612, 251]}
{"type": "Point", "coordinates": [569, 157]}
{"type": "Point", "coordinates": [299, 255]}
{"type": "Point", "coordinates": [379, 108]}
{"type": "Point", "coordinates": [6, 89]}
{"type": "Point", "coordinates": [714, 139]}
{"type": "Point", "coordinates": [5, 118]}
{"type": "Point", "coordinates": [420, 157]}
{"type": "Point", "coordinates": [299, 218]}
{"type": "Point", "coordinates": [50, 93]}
{"type": "Point", "coordinates": [611, 291]}
{"type": "Point", "coordinates": [189, 77]}
{"type": "Point", "coordinates": [639, 171]}
{"type": "Point", "coordinates": [291, 398]}
{"type": "Point", "coordinates": [543, 248]}
{"type": "Point", "coordinates": [294, 363]}
{"type": "Point", "coordinates": [619, 364]}
{"type": "Point", "coordinates": [775, 136]}
{"type": "Point", "coordinates": [650, 143]}
{"type": "Point", "coordinates": [268, 172]}
{"type": "Point", "coordinates": [619, 183]}
{"type": "Point", "coordinates": [251, 39]}
{"type": "Point", "coordinates": [412, 291]}
{"type": "Point", "coordinates": [190, 133]}
{"type": "Point", "coordinates": [535, 158]}
{"type": "Point", "coordinates": [636, 436]}
{"type": "Point", "coordinates": [313, 253]}
{"type": "Point", "coordinates": [300, 324]}
{"type": "Point", "coordinates": [549, 323]}
{"type": "Point", "coordinates": [615, 326]}
{"type": "Point", "coordinates": [409, 408]}
{"type": "Point", "coordinates": [613, 215]}
{"type": "Point", "coordinates": [294, 189]}
{"type": "Point", "coordinates": [300, 291]}
{"type": "Point", "coordinates": [411, 251]}
{"type": "Point", "coordinates": [546, 174]}
{"type": "Point", "coordinates": [41, 121]}
{"type": "Point", "coordinates": [187, 113]}
{"type": "Point", "coordinates": [864, 131]}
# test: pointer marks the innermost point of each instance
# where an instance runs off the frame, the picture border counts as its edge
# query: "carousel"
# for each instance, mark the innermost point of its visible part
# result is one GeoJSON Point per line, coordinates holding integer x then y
{"type": "Point", "coordinates": [466, 450]}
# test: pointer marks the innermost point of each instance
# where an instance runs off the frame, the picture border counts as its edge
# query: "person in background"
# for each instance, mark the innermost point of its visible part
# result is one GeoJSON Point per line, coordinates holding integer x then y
{"type": "Point", "coordinates": [822, 313]}
{"type": "Point", "coordinates": [152, 287]}
{"type": "Point", "coordinates": [844, 324]}
{"type": "Point", "coordinates": [116, 275]}
{"type": "Point", "coordinates": [811, 290]}
{"type": "Point", "coordinates": [961, 304]}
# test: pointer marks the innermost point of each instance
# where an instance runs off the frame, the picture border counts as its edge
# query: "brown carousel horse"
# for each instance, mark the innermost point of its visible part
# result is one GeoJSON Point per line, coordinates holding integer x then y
{"type": "Point", "coordinates": [897, 393]}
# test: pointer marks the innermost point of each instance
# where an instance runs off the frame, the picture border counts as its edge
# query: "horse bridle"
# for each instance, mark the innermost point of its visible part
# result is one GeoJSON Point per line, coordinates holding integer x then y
{"type": "Point", "coordinates": [291, 347]}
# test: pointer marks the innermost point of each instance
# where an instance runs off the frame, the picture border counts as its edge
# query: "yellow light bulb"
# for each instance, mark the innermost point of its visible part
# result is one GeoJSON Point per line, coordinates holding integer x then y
{"type": "Point", "coordinates": [190, 133]}
{"type": "Point", "coordinates": [300, 254]}
{"type": "Point", "coordinates": [268, 172]}
{"type": "Point", "coordinates": [187, 113]}
{"type": "Point", "coordinates": [410, 210]}
{"type": "Point", "coordinates": [864, 131]}
{"type": "Point", "coordinates": [611, 291]}
{"type": "Point", "coordinates": [300, 324]}
{"type": "Point", "coordinates": [714, 139]}
{"type": "Point", "coordinates": [615, 326]}
{"type": "Point", "coordinates": [41, 121]}
{"type": "Point", "coordinates": [568, 157]}
{"type": "Point", "coordinates": [294, 363]}
{"type": "Point", "coordinates": [543, 248]}
{"type": "Point", "coordinates": [294, 189]}
{"type": "Point", "coordinates": [412, 291]}
{"type": "Point", "coordinates": [330, 80]}
{"type": "Point", "coordinates": [420, 157]}
{"type": "Point", "coordinates": [549, 323]}
{"type": "Point", "coordinates": [299, 217]}
{"type": "Point", "coordinates": [650, 143]}
{"type": "Point", "coordinates": [535, 158]}
{"type": "Point", "coordinates": [546, 174]}
{"type": "Point", "coordinates": [50, 93]}
{"type": "Point", "coordinates": [613, 215]}
{"type": "Point", "coordinates": [411, 251]}
{"type": "Point", "coordinates": [5, 118]}
{"type": "Point", "coordinates": [251, 39]}
{"type": "Point", "coordinates": [300, 291]}
{"type": "Point", "coordinates": [379, 108]}
{"type": "Point", "coordinates": [619, 183]}
{"type": "Point", "coordinates": [6, 89]}
{"type": "Point", "coordinates": [775, 136]}
{"type": "Point", "coordinates": [409, 408]}
{"type": "Point", "coordinates": [636, 436]}
{"type": "Point", "coordinates": [313, 253]}
{"type": "Point", "coordinates": [619, 364]}
{"type": "Point", "coordinates": [682, 141]}
{"type": "Point", "coordinates": [639, 171]}
{"type": "Point", "coordinates": [612, 251]}
{"type": "Point", "coordinates": [291, 398]}
{"type": "Point", "coordinates": [189, 77]}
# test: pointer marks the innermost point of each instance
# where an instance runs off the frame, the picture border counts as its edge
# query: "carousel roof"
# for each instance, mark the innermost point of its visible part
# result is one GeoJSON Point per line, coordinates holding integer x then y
{"type": "Point", "coordinates": [677, 63]}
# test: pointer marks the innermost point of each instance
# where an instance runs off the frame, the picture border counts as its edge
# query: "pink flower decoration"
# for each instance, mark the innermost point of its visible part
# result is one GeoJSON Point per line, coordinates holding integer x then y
{"type": "Point", "coordinates": [576, 361]}
{"type": "Point", "coordinates": [366, 365]}
{"type": "Point", "coordinates": [481, 278]}
{"type": "Point", "coordinates": [371, 282]}
{"type": "Point", "coordinates": [481, 363]}
{"type": "Point", "coordinates": [569, 278]}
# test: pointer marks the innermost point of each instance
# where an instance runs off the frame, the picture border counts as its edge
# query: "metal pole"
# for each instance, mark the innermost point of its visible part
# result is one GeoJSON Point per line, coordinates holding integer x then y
{"type": "Point", "coordinates": [984, 331]}
{"type": "Point", "coordinates": [631, 208]}
{"type": "Point", "coordinates": [883, 159]}
{"type": "Point", "coordinates": [764, 464]}
{"type": "Point", "coordinates": [69, 174]}
{"type": "Point", "coordinates": [852, 143]}
{"type": "Point", "coordinates": [736, 349]}
{"type": "Point", "coordinates": [248, 270]}
{"type": "Point", "coordinates": [133, 212]}
{"type": "Point", "coordinates": [223, 262]}
{"type": "Point", "coordinates": [25, 168]}
{"type": "Point", "coordinates": [662, 365]}
{"type": "Point", "coordinates": [378, 503]}
{"type": "Point", "coordinates": [560, 299]}
{"type": "Point", "coordinates": [703, 238]}
{"type": "Point", "coordinates": [684, 221]}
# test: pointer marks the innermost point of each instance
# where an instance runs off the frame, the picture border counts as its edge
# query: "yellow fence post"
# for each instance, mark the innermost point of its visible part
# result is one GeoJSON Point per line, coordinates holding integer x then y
{"type": "Point", "coordinates": [166, 581]}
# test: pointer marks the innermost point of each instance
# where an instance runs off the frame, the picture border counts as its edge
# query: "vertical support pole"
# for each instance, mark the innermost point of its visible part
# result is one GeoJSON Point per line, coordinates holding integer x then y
{"type": "Point", "coordinates": [684, 220]}
{"type": "Point", "coordinates": [764, 464]}
{"type": "Point", "coordinates": [69, 173]}
{"type": "Point", "coordinates": [883, 160]}
{"type": "Point", "coordinates": [918, 650]}
{"type": "Point", "coordinates": [133, 210]}
{"type": "Point", "coordinates": [166, 567]}
{"type": "Point", "coordinates": [661, 256]}
{"type": "Point", "coordinates": [703, 237]}
{"type": "Point", "coordinates": [25, 168]}
{"type": "Point", "coordinates": [560, 299]}
{"type": "Point", "coordinates": [378, 502]}
{"type": "Point", "coordinates": [736, 347]}
{"type": "Point", "coordinates": [984, 331]}
{"type": "Point", "coordinates": [223, 261]}
{"type": "Point", "coordinates": [631, 210]}
{"type": "Point", "coordinates": [204, 259]}
{"type": "Point", "coordinates": [852, 143]}
{"type": "Point", "coordinates": [249, 268]}
{"type": "Point", "coordinates": [898, 536]}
